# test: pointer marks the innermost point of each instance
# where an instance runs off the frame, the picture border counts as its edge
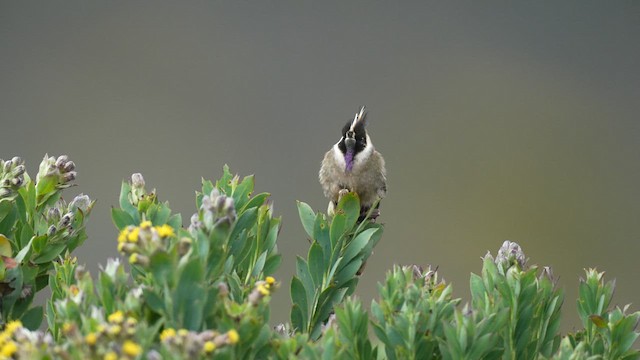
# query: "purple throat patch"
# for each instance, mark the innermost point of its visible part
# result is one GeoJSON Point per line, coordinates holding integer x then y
{"type": "Point", "coordinates": [348, 159]}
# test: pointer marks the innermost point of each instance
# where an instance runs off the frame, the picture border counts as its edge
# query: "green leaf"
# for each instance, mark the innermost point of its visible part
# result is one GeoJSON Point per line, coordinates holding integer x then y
{"type": "Point", "coordinates": [45, 188]}
{"type": "Point", "coordinates": [272, 264]}
{"type": "Point", "coordinates": [154, 301]}
{"type": "Point", "coordinates": [349, 205]}
{"type": "Point", "coordinates": [302, 271]}
{"type": "Point", "coordinates": [255, 201]}
{"type": "Point", "coordinates": [243, 191]}
{"type": "Point", "coordinates": [477, 287]}
{"type": "Point", "coordinates": [245, 222]}
{"type": "Point", "coordinates": [6, 206]}
{"type": "Point", "coordinates": [162, 215]}
{"type": "Point", "coordinates": [207, 188]}
{"type": "Point", "coordinates": [337, 229]}
{"type": "Point", "coordinates": [224, 184]}
{"type": "Point", "coordinates": [259, 265]}
{"type": "Point", "coordinates": [175, 221]}
{"type": "Point", "coordinates": [299, 300]}
{"type": "Point", "coordinates": [357, 244]}
{"type": "Point", "coordinates": [307, 217]}
{"type": "Point", "coordinates": [599, 321]}
{"type": "Point", "coordinates": [121, 219]}
{"type": "Point", "coordinates": [272, 235]}
{"type": "Point", "coordinates": [9, 220]}
{"type": "Point", "coordinates": [190, 296]}
{"type": "Point", "coordinates": [297, 319]}
{"type": "Point", "coordinates": [125, 190]}
{"type": "Point", "coordinates": [22, 253]}
{"type": "Point", "coordinates": [32, 318]}
{"type": "Point", "coordinates": [26, 233]}
{"type": "Point", "coordinates": [39, 243]}
{"type": "Point", "coordinates": [347, 273]}
{"type": "Point", "coordinates": [316, 263]}
{"type": "Point", "coordinates": [49, 253]}
{"type": "Point", "coordinates": [161, 266]}
{"type": "Point", "coordinates": [321, 235]}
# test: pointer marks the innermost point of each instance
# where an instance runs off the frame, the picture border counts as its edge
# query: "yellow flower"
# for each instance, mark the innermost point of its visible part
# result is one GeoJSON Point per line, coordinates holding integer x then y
{"type": "Point", "coordinates": [132, 237]}
{"type": "Point", "coordinates": [233, 336]}
{"type": "Point", "coordinates": [12, 326]}
{"type": "Point", "coordinates": [167, 333]}
{"type": "Point", "coordinates": [183, 332]}
{"type": "Point", "coordinates": [133, 258]}
{"type": "Point", "coordinates": [270, 280]}
{"type": "Point", "coordinates": [74, 290]}
{"type": "Point", "coordinates": [122, 237]}
{"type": "Point", "coordinates": [91, 339]}
{"type": "Point", "coordinates": [116, 318]}
{"type": "Point", "coordinates": [263, 290]}
{"type": "Point", "coordinates": [3, 338]}
{"type": "Point", "coordinates": [111, 356]}
{"type": "Point", "coordinates": [165, 230]}
{"type": "Point", "coordinates": [131, 321]}
{"type": "Point", "coordinates": [100, 328]}
{"type": "Point", "coordinates": [114, 330]}
{"type": "Point", "coordinates": [67, 327]}
{"type": "Point", "coordinates": [121, 247]}
{"type": "Point", "coordinates": [208, 347]}
{"type": "Point", "coordinates": [131, 349]}
{"type": "Point", "coordinates": [9, 349]}
{"type": "Point", "coordinates": [145, 224]}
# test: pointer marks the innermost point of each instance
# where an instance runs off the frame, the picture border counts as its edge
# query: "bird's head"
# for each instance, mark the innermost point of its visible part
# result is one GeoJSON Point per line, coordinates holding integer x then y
{"type": "Point", "coordinates": [354, 139]}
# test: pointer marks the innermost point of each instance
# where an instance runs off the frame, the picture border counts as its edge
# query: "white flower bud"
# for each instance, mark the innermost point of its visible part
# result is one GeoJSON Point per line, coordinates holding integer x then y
{"type": "Point", "coordinates": [137, 180]}
{"type": "Point", "coordinates": [81, 202]}
{"type": "Point", "coordinates": [62, 160]}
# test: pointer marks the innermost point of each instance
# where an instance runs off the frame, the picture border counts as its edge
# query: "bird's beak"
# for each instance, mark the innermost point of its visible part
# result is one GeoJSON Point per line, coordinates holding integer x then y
{"type": "Point", "coordinates": [350, 141]}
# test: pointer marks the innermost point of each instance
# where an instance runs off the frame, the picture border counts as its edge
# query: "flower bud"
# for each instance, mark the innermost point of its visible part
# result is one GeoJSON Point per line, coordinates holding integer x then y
{"type": "Point", "coordinates": [54, 213]}
{"type": "Point", "coordinates": [69, 177]}
{"type": "Point", "coordinates": [184, 246]}
{"type": "Point", "coordinates": [17, 160]}
{"type": "Point", "coordinates": [7, 166]}
{"type": "Point", "coordinates": [154, 355]}
{"type": "Point", "coordinates": [228, 205]}
{"type": "Point", "coordinates": [547, 272]}
{"type": "Point", "coordinates": [4, 192]}
{"type": "Point", "coordinates": [81, 202]}
{"type": "Point", "coordinates": [218, 203]}
{"type": "Point", "coordinates": [17, 181]}
{"type": "Point", "coordinates": [137, 181]}
{"type": "Point", "coordinates": [66, 220]}
{"type": "Point", "coordinates": [80, 271]}
{"type": "Point", "coordinates": [52, 230]}
{"type": "Point", "coordinates": [510, 254]}
{"type": "Point", "coordinates": [18, 170]}
{"type": "Point", "coordinates": [281, 329]}
{"type": "Point", "coordinates": [70, 166]}
{"type": "Point", "coordinates": [62, 160]}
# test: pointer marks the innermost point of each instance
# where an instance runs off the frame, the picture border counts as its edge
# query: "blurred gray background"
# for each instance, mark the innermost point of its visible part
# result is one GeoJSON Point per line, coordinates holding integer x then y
{"type": "Point", "coordinates": [511, 122]}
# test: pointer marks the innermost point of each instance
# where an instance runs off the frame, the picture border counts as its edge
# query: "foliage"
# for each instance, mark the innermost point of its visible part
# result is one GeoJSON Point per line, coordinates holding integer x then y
{"type": "Point", "coordinates": [204, 291]}
{"type": "Point", "coordinates": [36, 227]}
{"type": "Point", "coordinates": [338, 253]}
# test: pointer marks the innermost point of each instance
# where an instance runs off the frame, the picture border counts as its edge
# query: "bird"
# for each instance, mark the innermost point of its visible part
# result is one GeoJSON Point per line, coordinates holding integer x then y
{"type": "Point", "coordinates": [354, 165]}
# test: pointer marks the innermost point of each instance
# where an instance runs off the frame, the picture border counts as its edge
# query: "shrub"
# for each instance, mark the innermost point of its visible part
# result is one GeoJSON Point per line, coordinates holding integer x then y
{"type": "Point", "coordinates": [204, 290]}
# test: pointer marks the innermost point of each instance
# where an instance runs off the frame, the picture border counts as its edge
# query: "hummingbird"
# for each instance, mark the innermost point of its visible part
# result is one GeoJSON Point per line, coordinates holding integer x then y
{"type": "Point", "coordinates": [354, 165]}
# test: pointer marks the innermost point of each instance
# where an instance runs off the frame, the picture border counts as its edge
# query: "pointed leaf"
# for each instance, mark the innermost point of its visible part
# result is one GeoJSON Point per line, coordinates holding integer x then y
{"type": "Point", "coordinates": [316, 263]}
{"type": "Point", "coordinates": [121, 219]}
{"type": "Point", "coordinates": [307, 217]}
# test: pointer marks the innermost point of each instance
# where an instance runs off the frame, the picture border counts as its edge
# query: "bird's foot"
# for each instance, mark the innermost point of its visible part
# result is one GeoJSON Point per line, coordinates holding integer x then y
{"type": "Point", "coordinates": [342, 193]}
{"type": "Point", "coordinates": [373, 216]}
